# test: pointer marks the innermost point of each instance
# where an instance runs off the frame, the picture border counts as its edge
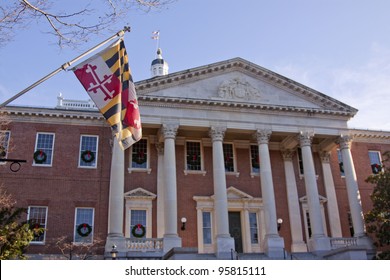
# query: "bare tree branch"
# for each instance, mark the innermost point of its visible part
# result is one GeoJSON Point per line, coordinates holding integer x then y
{"type": "Point", "coordinates": [72, 27]}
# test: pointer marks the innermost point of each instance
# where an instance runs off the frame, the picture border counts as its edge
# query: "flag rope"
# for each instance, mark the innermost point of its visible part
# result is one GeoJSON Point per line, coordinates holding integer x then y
{"type": "Point", "coordinates": [65, 66]}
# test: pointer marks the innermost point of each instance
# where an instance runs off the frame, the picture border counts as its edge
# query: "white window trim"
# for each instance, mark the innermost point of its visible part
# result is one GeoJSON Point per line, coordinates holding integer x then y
{"type": "Point", "coordinates": [148, 170]}
{"type": "Point", "coordinates": [201, 171]}
{"type": "Point", "coordinates": [235, 172]}
{"type": "Point", "coordinates": [238, 201]}
{"type": "Point", "coordinates": [341, 155]}
{"type": "Point", "coordinates": [44, 233]}
{"type": "Point", "coordinates": [253, 174]}
{"type": "Point", "coordinates": [305, 209]}
{"type": "Point", "coordinates": [7, 144]}
{"type": "Point", "coordinates": [96, 152]}
{"type": "Point", "coordinates": [139, 199]}
{"type": "Point", "coordinates": [379, 156]}
{"type": "Point", "coordinates": [52, 154]}
{"type": "Point", "coordinates": [75, 229]}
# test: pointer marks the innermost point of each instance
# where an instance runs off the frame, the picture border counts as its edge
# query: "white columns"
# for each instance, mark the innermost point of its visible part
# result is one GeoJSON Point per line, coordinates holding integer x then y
{"type": "Point", "coordinates": [318, 241]}
{"type": "Point", "coordinates": [171, 238]}
{"type": "Point", "coordinates": [224, 241]}
{"type": "Point", "coordinates": [160, 191]}
{"type": "Point", "coordinates": [297, 243]}
{"type": "Point", "coordinates": [116, 200]}
{"type": "Point", "coordinates": [273, 243]}
{"type": "Point", "coordinates": [352, 187]}
{"type": "Point", "coordinates": [333, 209]}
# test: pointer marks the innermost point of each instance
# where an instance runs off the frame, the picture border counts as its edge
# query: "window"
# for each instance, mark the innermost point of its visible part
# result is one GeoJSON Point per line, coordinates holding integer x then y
{"type": "Point", "coordinates": [4, 143]}
{"type": "Point", "coordinates": [88, 151]}
{"type": "Point", "coordinates": [255, 164]}
{"type": "Point", "coordinates": [37, 220]}
{"type": "Point", "coordinates": [83, 232]}
{"type": "Point", "coordinates": [139, 154]}
{"type": "Point", "coordinates": [228, 157]}
{"type": "Point", "coordinates": [341, 164]}
{"type": "Point", "coordinates": [350, 224]}
{"type": "Point", "coordinates": [300, 161]}
{"type": "Point", "coordinates": [253, 228]}
{"type": "Point", "coordinates": [137, 217]}
{"type": "Point", "coordinates": [194, 157]}
{"type": "Point", "coordinates": [44, 146]}
{"type": "Point", "coordinates": [206, 227]}
{"type": "Point", "coordinates": [308, 224]}
{"type": "Point", "coordinates": [375, 161]}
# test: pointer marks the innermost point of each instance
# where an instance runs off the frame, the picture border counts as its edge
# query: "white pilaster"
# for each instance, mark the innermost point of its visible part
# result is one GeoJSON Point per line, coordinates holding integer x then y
{"type": "Point", "coordinates": [273, 243]}
{"type": "Point", "coordinates": [171, 238]}
{"type": "Point", "coordinates": [318, 241]}
{"type": "Point", "coordinates": [297, 243]}
{"type": "Point", "coordinates": [224, 242]}
{"type": "Point", "coordinates": [116, 200]}
{"type": "Point", "coordinates": [333, 209]}
{"type": "Point", "coordinates": [160, 191]}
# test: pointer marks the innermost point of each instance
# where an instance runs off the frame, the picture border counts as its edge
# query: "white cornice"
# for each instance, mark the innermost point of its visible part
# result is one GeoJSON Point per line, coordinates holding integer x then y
{"type": "Point", "coordinates": [159, 101]}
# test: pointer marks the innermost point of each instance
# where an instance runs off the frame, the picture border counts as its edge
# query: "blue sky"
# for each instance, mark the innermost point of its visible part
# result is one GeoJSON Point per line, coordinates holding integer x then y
{"type": "Point", "coordinates": [338, 47]}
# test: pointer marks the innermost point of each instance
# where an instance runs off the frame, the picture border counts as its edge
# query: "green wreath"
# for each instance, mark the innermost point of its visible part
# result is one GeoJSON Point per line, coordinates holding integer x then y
{"type": "Point", "coordinates": [88, 156]}
{"type": "Point", "coordinates": [139, 158]}
{"type": "Point", "coordinates": [138, 231]}
{"type": "Point", "coordinates": [376, 168]}
{"type": "Point", "coordinates": [84, 229]}
{"type": "Point", "coordinates": [40, 156]}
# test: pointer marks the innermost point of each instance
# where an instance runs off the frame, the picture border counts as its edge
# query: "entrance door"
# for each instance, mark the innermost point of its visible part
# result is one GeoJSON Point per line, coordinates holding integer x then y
{"type": "Point", "coordinates": [235, 230]}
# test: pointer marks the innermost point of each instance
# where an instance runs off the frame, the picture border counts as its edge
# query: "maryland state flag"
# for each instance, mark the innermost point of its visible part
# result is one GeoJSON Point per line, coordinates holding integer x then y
{"type": "Point", "coordinates": [107, 78]}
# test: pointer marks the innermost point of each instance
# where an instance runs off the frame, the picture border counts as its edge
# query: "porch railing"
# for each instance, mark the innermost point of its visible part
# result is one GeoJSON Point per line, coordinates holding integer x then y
{"type": "Point", "coordinates": [144, 244]}
{"type": "Point", "coordinates": [343, 242]}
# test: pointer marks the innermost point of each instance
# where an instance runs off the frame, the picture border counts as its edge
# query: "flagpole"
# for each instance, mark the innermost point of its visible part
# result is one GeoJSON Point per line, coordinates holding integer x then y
{"type": "Point", "coordinates": [64, 66]}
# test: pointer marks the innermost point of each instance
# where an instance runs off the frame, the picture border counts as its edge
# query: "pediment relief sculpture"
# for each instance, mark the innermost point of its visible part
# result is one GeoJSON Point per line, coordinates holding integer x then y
{"type": "Point", "coordinates": [238, 88]}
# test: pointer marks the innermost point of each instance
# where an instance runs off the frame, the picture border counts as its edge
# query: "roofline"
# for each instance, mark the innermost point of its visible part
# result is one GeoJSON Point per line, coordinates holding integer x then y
{"type": "Point", "coordinates": [255, 70]}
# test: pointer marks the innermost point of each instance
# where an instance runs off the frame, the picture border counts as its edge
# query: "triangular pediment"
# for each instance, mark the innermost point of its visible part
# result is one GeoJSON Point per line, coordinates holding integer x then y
{"type": "Point", "coordinates": [139, 193]}
{"type": "Point", "coordinates": [233, 193]}
{"type": "Point", "coordinates": [234, 82]}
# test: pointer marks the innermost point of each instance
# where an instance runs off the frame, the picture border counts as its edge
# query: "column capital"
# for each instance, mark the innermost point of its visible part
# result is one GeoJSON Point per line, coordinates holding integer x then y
{"type": "Point", "coordinates": [287, 155]}
{"type": "Point", "coordinates": [305, 138]}
{"type": "Point", "coordinates": [345, 141]}
{"type": "Point", "coordinates": [169, 130]}
{"type": "Point", "coordinates": [325, 156]}
{"type": "Point", "coordinates": [262, 136]}
{"type": "Point", "coordinates": [217, 133]}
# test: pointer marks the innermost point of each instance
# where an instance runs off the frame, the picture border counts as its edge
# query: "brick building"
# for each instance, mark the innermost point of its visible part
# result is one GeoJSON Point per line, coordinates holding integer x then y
{"type": "Point", "coordinates": [235, 161]}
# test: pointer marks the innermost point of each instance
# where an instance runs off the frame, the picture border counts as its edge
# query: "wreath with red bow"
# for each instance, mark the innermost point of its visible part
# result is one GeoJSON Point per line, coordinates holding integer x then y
{"type": "Point", "coordinates": [139, 157]}
{"type": "Point", "coordinates": [138, 231]}
{"type": "Point", "coordinates": [40, 156]}
{"type": "Point", "coordinates": [376, 168]}
{"type": "Point", "coordinates": [193, 159]}
{"type": "Point", "coordinates": [87, 156]}
{"type": "Point", "coordinates": [84, 229]}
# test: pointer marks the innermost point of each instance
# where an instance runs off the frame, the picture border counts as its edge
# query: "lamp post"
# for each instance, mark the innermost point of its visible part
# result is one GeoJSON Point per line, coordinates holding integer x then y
{"type": "Point", "coordinates": [114, 252]}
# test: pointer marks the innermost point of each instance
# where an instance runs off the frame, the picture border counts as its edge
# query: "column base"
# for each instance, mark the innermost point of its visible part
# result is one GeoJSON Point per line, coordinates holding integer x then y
{"type": "Point", "coordinates": [368, 244]}
{"type": "Point", "coordinates": [171, 241]}
{"type": "Point", "coordinates": [319, 244]}
{"type": "Point", "coordinates": [224, 247]}
{"type": "Point", "coordinates": [274, 247]}
{"type": "Point", "coordinates": [299, 247]}
{"type": "Point", "coordinates": [120, 247]}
